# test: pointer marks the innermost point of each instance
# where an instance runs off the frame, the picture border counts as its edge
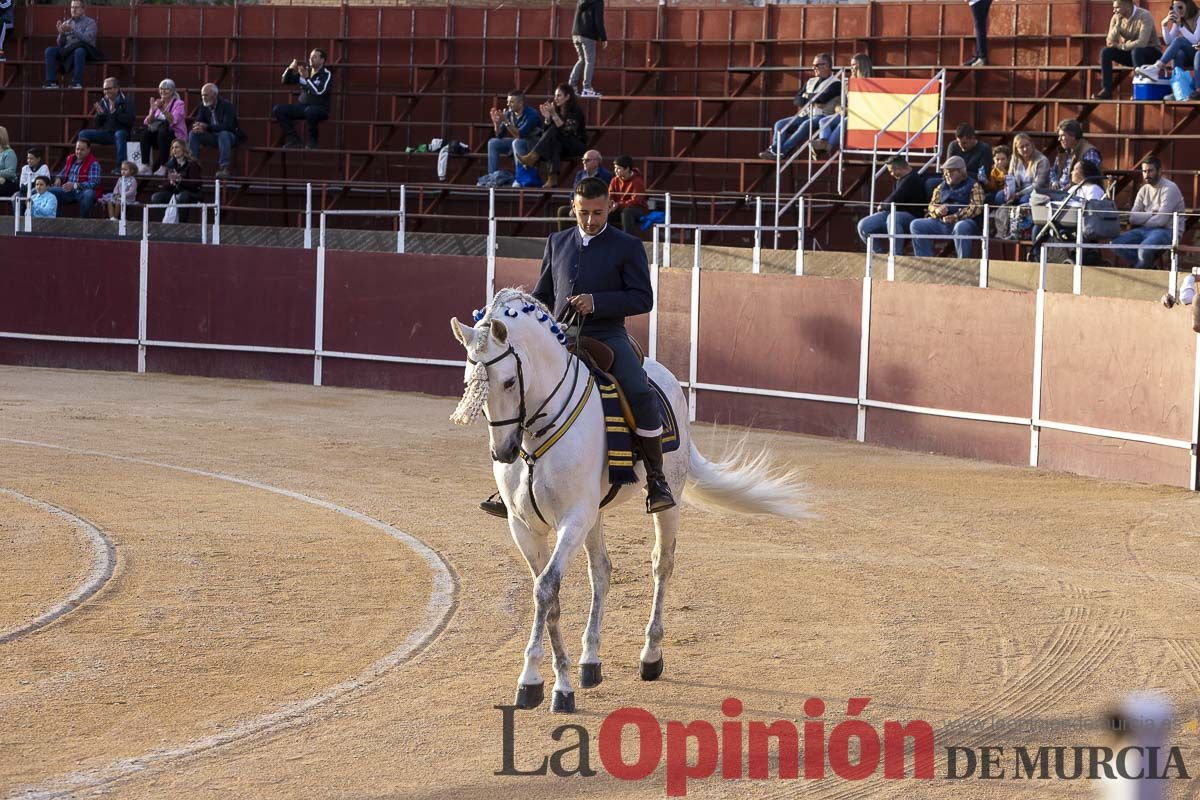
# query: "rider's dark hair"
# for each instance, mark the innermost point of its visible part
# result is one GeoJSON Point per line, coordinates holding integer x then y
{"type": "Point", "coordinates": [591, 188]}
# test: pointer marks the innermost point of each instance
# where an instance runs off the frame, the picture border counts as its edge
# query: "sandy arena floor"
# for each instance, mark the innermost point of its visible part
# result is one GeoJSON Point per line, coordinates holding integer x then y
{"type": "Point", "coordinates": [302, 601]}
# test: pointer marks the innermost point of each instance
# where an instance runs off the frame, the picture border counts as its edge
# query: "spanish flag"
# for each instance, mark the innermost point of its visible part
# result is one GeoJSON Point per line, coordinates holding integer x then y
{"type": "Point", "coordinates": [872, 102]}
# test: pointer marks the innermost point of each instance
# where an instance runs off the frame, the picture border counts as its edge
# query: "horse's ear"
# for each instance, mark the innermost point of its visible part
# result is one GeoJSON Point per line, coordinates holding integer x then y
{"type": "Point", "coordinates": [499, 331]}
{"type": "Point", "coordinates": [461, 332]}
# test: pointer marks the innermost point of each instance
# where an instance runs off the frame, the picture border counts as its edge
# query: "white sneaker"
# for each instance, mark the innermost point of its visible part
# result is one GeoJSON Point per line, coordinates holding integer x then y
{"type": "Point", "coordinates": [161, 172]}
{"type": "Point", "coordinates": [143, 169]}
{"type": "Point", "coordinates": [589, 93]}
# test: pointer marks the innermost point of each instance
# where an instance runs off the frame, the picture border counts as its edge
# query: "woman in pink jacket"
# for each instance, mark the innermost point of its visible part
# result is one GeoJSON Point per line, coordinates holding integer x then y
{"type": "Point", "coordinates": [166, 122]}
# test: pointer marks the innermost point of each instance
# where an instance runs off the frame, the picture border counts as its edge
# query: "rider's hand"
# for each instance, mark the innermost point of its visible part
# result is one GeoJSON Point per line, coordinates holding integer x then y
{"type": "Point", "coordinates": [582, 303]}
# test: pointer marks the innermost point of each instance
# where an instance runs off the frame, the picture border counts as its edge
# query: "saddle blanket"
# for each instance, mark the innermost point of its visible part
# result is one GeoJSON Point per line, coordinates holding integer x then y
{"type": "Point", "coordinates": [619, 425]}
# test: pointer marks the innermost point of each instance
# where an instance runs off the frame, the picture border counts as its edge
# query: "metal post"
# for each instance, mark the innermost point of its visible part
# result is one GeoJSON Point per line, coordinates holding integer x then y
{"type": "Point", "coordinates": [402, 221]}
{"type": "Point", "coordinates": [695, 329]}
{"type": "Point", "coordinates": [800, 207]}
{"type": "Point", "coordinates": [1195, 415]}
{"type": "Point", "coordinates": [17, 215]}
{"type": "Point", "coordinates": [492, 244]}
{"type": "Point", "coordinates": [864, 348]}
{"type": "Point", "coordinates": [319, 305]}
{"type": "Point", "coordinates": [1077, 271]}
{"type": "Point", "coordinates": [143, 292]}
{"type": "Point", "coordinates": [308, 216]}
{"type": "Point", "coordinates": [321, 238]}
{"type": "Point", "coordinates": [984, 250]}
{"type": "Point", "coordinates": [203, 223]}
{"type": "Point", "coordinates": [121, 227]}
{"type": "Point", "coordinates": [778, 156]}
{"type": "Point", "coordinates": [756, 259]}
{"type": "Point", "coordinates": [666, 259]}
{"type": "Point", "coordinates": [653, 343]}
{"type": "Point", "coordinates": [216, 232]}
{"type": "Point", "coordinates": [145, 223]}
{"type": "Point", "coordinates": [1174, 247]}
{"type": "Point", "coordinates": [891, 260]}
{"type": "Point", "coordinates": [1038, 333]}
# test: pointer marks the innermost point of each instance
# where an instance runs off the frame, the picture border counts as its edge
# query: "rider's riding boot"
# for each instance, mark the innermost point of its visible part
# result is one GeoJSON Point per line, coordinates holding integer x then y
{"type": "Point", "coordinates": [658, 493]}
{"type": "Point", "coordinates": [495, 506]}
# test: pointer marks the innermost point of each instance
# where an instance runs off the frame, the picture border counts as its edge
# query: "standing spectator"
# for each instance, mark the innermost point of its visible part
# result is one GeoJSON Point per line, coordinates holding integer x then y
{"type": "Point", "coordinates": [8, 165]}
{"type": "Point", "coordinates": [1150, 218]}
{"type": "Point", "coordinates": [166, 121]}
{"type": "Point", "coordinates": [6, 23]}
{"type": "Point", "coordinates": [627, 197]}
{"type": "Point", "coordinates": [1073, 148]}
{"type": "Point", "coordinates": [216, 125]}
{"type": "Point", "coordinates": [953, 211]}
{"type": "Point", "coordinates": [587, 30]}
{"type": "Point", "coordinates": [516, 121]}
{"type": "Point", "coordinates": [1132, 40]}
{"type": "Point", "coordinates": [124, 193]}
{"type": "Point", "coordinates": [910, 198]}
{"type": "Point", "coordinates": [33, 167]}
{"type": "Point", "coordinates": [831, 132]}
{"type": "Point", "coordinates": [1181, 35]}
{"type": "Point", "coordinates": [75, 45]}
{"type": "Point", "coordinates": [312, 105]}
{"type": "Point", "coordinates": [566, 130]}
{"type": "Point", "coordinates": [1028, 173]}
{"type": "Point", "coordinates": [182, 179]}
{"type": "Point", "coordinates": [43, 203]}
{"type": "Point", "coordinates": [979, 11]}
{"type": "Point", "coordinates": [593, 167]}
{"type": "Point", "coordinates": [79, 179]}
{"type": "Point", "coordinates": [976, 154]}
{"type": "Point", "coordinates": [817, 100]}
{"type": "Point", "coordinates": [113, 119]}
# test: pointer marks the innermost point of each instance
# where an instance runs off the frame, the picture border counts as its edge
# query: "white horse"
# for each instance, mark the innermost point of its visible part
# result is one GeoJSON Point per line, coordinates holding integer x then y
{"type": "Point", "coordinates": [549, 449]}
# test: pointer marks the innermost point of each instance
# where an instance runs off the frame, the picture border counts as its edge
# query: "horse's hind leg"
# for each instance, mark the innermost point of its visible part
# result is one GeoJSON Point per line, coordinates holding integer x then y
{"type": "Point", "coordinates": [666, 524]}
{"type": "Point", "coordinates": [599, 570]}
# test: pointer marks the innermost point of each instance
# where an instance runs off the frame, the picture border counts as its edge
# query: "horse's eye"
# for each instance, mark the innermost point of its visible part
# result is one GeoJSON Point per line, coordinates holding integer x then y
{"type": "Point", "coordinates": [510, 383]}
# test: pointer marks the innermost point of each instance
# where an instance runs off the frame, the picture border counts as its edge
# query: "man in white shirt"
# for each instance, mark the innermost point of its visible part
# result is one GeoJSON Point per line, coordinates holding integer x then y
{"type": "Point", "coordinates": [1151, 217]}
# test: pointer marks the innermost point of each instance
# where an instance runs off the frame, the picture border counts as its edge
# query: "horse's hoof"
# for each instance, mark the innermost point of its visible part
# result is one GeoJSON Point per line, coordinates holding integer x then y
{"type": "Point", "coordinates": [589, 675]}
{"type": "Point", "coordinates": [530, 695]}
{"type": "Point", "coordinates": [563, 703]}
{"type": "Point", "coordinates": [651, 670]}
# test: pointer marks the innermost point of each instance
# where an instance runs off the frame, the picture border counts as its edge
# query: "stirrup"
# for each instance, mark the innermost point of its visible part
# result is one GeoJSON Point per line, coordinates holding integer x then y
{"type": "Point", "coordinates": [495, 506]}
{"type": "Point", "coordinates": [664, 499]}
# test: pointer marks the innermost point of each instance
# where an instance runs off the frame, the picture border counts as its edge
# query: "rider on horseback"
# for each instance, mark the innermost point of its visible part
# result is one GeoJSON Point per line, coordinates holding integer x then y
{"type": "Point", "coordinates": [599, 274]}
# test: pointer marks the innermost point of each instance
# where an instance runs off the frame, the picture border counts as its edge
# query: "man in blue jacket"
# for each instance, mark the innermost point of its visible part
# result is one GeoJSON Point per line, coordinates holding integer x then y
{"type": "Point", "coordinates": [516, 121]}
{"type": "Point", "coordinates": [216, 125]}
{"type": "Point", "coordinates": [601, 273]}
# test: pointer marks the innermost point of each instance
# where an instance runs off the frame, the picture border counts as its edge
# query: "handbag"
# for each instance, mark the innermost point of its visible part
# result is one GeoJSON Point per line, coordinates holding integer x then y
{"type": "Point", "coordinates": [527, 176]}
{"type": "Point", "coordinates": [1100, 220]}
{"type": "Point", "coordinates": [171, 214]}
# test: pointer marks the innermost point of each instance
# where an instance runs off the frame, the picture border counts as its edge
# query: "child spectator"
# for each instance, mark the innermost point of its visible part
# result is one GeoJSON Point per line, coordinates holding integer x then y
{"type": "Point", "coordinates": [993, 187]}
{"type": "Point", "coordinates": [44, 203]}
{"type": "Point", "coordinates": [627, 197]}
{"type": "Point", "coordinates": [126, 187]}
{"type": "Point", "coordinates": [33, 168]}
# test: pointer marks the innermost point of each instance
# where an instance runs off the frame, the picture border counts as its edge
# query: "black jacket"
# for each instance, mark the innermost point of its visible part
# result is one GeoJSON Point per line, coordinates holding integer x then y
{"type": "Point", "coordinates": [221, 117]}
{"type": "Point", "coordinates": [589, 20]}
{"type": "Point", "coordinates": [114, 117]}
{"type": "Point", "coordinates": [909, 195]}
{"type": "Point", "coordinates": [315, 90]}
{"type": "Point", "coordinates": [612, 269]}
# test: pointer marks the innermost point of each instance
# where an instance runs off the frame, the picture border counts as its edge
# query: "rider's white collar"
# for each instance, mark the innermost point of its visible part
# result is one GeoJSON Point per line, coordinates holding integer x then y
{"type": "Point", "coordinates": [587, 238]}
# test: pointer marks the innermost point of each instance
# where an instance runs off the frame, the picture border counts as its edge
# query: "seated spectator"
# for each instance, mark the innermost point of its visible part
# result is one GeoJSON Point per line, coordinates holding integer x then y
{"type": "Point", "coordinates": [7, 23]}
{"type": "Point", "coordinates": [953, 211]}
{"type": "Point", "coordinates": [8, 165]}
{"type": "Point", "coordinates": [33, 167]}
{"type": "Point", "coordinates": [166, 122]}
{"type": "Point", "coordinates": [182, 179]}
{"type": "Point", "coordinates": [910, 198]}
{"type": "Point", "coordinates": [627, 197]}
{"type": "Point", "coordinates": [79, 180]}
{"type": "Point", "coordinates": [1151, 216]}
{"type": "Point", "coordinates": [976, 154]}
{"type": "Point", "coordinates": [124, 193]}
{"type": "Point", "coordinates": [993, 187]}
{"type": "Point", "coordinates": [817, 100]}
{"type": "Point", "coordinates": [1029, 171]}
{"type": "Point", "coordinates": [593, 167]}
{"type": "Point", "coordinates": [312, 105]}
{"type": "Point", "coordinates": [1181, 36]}
{"type": "Point", "coordinates": [566, 130]}
{"type": "Point", "coordinates": [44, 203]}
{"type": "Point", "coordinates": [831, 128]}
{"type": "Point", "coordinates": [216, 125]}
{"type": "Point", "coordinates": [76, 45]}
{"type": "Point", "coordinates": [1073, 148]}
{"type": "Point", "coordinates": [516, 121]}
{"type": "Point", "coordinates": [1132, 40]}
{"type": "Point", "coordinates": [112, 122]}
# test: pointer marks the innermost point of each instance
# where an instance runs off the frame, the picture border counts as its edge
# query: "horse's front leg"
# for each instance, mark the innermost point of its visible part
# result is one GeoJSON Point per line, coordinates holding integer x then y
{"type": "Point", "coordinates": [530, 690]}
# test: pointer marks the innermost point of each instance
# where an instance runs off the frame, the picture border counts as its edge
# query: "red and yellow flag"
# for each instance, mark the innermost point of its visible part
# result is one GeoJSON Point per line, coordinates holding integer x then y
{"type": "Point", "coordinates": [872, 102]}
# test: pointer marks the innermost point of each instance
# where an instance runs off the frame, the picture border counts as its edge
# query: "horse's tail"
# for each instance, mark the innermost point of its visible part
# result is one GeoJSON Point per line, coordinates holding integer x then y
{"type": "Point", "coordinates": [745, 485]}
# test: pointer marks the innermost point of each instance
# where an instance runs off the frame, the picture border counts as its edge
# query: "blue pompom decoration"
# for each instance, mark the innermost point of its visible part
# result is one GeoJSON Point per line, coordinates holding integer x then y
{"type": "Point", "coordinates": [528, 308]}
{"type": "Point", "coordinates": [477, 314]}
{"type": "Point", "coordinates": [542, 317]}
{"type": "Point", "coordinates": [508, 312]}
{"type": "Point", "coordinates": [554, 329]}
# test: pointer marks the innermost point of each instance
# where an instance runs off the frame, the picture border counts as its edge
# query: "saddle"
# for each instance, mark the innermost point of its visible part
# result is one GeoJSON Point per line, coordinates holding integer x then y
{"type": "Point", "coordinates": [599, 358]}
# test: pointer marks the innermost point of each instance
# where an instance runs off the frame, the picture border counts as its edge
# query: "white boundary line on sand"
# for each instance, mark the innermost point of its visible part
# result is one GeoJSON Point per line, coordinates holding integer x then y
{"type": "Point", "coordinates": [442, 603]}
{"type": "Point", "coordinates": [104, 561]}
